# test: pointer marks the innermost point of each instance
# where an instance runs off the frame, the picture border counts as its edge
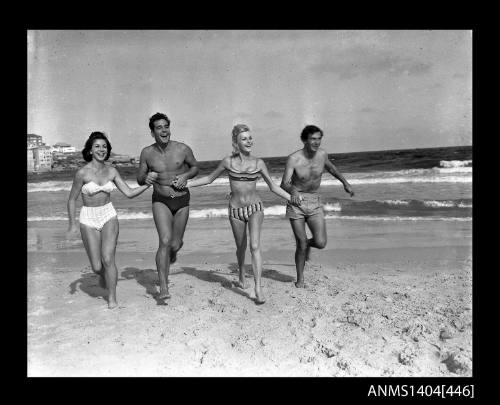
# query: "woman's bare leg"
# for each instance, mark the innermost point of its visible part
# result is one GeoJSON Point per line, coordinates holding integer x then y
{"type": "Point", "coordinates": [254, 227]}
{"type": "Point", "coordinates": [91, 238]}
{"type": "Point", "coordinates": [240, 238]}
{"type": "Point", "coordinates": [109, 238]}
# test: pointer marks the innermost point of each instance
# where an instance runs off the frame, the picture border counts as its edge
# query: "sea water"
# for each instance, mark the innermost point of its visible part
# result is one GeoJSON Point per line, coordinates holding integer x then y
{"type": "Point", "coordinates": [433, 184]}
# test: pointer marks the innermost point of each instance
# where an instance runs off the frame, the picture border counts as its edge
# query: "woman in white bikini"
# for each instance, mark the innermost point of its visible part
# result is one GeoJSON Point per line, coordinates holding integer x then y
{"type": "Point", "coordinates": [98, 218]}
{"type": "Point", "coordinates": [245, 205]}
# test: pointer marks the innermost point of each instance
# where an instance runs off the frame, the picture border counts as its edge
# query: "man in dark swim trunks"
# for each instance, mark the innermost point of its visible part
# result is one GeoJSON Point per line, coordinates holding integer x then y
{"type": "Point", "coordinates": [160, 164]}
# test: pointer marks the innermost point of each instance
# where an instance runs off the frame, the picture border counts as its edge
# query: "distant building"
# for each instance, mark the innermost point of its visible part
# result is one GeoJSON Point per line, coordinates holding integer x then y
{"type": "Point", "coordinates": [34, 141]}
{"type": "Point", "coordinates": [62, 147]}
{"type": "Point", "coordinates": [42, 156]}
{"type": "Point", "coordinates": [115, 159]}
{"type": "Point", "coordinates": [31, 160]}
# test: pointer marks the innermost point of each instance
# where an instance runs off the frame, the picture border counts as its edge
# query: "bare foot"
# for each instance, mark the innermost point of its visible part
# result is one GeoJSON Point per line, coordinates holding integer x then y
{"type": "Point", "coordinates": [259, 298]}
{"type": "Point", "coordinates": [112, 305]}
{"type": "Point", "coordinates": [242, 284]}
{"type": "Point", "coordinates": [164, 295]}
{"type": "Point", "coordinates": [300, 284]}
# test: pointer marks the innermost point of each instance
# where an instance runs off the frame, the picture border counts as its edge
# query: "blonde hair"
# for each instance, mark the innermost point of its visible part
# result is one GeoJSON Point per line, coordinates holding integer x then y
{"type": "Point", "coordinates": [238, 129]}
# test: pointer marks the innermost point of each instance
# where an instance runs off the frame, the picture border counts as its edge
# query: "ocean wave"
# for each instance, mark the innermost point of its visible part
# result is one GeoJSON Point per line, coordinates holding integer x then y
{"type": "Point", "coordinates": [394, 202]}
{"type": "Point", "coordinates": [394, 180]}
{"type": "Point", "coordinates": [51, 186]}
{"type": "Point", "coordinates": [454, 174]}
{"type": "Point", "coordinates": [397, 218]}
{"type": "Point", "coordinates": [335, 207]}
{"type": "Point", "coordinates": [455, 163]}
{"type": "Point", "coordinates": [426, 203]}
{"type": "Point", "coordinates": [440, 204]}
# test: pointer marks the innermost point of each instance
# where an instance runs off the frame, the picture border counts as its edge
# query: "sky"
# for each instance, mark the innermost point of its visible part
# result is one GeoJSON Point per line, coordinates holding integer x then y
{"type": "Point", "coordinates": [367, 90]}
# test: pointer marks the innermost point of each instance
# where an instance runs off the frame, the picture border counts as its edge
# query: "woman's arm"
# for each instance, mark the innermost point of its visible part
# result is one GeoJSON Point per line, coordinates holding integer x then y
{"type": "Point", "coordinates": [270, 183]}
{"type": "Point", "coordinates": [124, 187]}
{"type": "Point", "coordinates": [201, 181]}
{"type": "Point", "coordinates": [76, 188]}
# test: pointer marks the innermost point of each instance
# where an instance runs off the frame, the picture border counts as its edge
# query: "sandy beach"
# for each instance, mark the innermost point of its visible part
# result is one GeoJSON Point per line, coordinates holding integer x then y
{"type": "Point", "coordinates": [384, 298]}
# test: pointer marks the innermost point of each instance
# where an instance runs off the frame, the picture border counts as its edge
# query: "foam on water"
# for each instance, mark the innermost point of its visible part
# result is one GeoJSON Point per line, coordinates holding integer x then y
{"type": "Point", "coordinates": [397, 218]}
{"type": "Point", "coordinates": [434, 175]}
{"type": "Point", "coordinates": [455, 163]}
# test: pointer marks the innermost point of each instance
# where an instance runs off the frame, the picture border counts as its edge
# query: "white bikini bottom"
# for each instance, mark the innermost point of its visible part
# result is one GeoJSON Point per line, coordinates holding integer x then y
{"type": "Point", "coordinates": [96, 217]}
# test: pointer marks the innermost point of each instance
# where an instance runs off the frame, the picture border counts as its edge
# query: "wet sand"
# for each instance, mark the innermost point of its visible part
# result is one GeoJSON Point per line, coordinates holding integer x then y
{"type": "Point", "coordinates": [383, 299]}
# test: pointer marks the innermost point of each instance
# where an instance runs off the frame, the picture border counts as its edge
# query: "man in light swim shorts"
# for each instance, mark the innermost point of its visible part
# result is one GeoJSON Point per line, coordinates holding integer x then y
{"type": "Point", "coordinates": [302, 179]}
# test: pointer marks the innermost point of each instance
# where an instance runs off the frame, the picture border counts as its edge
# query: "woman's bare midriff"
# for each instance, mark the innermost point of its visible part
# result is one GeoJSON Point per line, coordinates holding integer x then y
{"type": "Point", "coordinates": [243, 194]}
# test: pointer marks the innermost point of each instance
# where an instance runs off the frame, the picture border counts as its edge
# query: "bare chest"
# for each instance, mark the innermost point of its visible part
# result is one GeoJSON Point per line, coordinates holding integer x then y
{"type": "Point", "coordinates": [169, 161]}
{"type": "Point", "coordinates": [307, 171]}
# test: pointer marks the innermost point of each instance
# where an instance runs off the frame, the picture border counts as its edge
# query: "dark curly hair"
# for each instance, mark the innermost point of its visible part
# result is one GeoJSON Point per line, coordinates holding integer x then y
{"type": "Point", "coordinates": [87, 156]}
{"type": "Point", "coordinates": [309, 130]}
{"type": "Point", "coordinates": [156, 117]}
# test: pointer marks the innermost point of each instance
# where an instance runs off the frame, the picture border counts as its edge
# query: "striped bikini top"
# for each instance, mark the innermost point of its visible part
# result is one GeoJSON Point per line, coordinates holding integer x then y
{"type": "Point", "coordinates": [92, 188]}
{"type": "Point", "coordinates": [243, 176]}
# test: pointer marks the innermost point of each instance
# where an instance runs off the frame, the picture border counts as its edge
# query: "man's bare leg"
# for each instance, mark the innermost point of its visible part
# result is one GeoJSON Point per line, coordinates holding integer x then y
{"type": "Point", "coordinates": [299, 231]}
{"type": "Point", "coordinates": [179, 226]}
{"type": "Point", "coordinates": [164, 225]}
{"type": "Point", "coordinates": [317, 225]}
{"type": "Point", "coordinates": [240, 238]}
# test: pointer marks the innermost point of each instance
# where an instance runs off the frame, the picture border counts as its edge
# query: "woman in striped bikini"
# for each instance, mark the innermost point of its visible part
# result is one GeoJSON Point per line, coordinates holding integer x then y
{"type": "Point", "coordinates": [98, 219]}
{"type": "Point", "coordinates": [245, 205]}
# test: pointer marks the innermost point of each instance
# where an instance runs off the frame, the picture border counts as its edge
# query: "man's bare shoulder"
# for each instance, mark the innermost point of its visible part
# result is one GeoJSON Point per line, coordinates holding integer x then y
{"type": "Point", "coordinates": [322, 153]}
{"type": "Point", "coordinates": [179, 145]}
{"type": "Point", "coordinates": [147, 149]}
{"type": "Point", "coordinates": [295, 156]}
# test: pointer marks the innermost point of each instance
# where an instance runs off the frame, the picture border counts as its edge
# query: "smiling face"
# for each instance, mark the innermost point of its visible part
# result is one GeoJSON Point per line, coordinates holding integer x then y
{"type": "Point", "coordinates": [313, 141]}
{"type": "Point", "coordinates": [161, 132]}
{"type": "Point", "coordinates": [99, 150]}
{"type": "Point", "coordinates": [245, 142]}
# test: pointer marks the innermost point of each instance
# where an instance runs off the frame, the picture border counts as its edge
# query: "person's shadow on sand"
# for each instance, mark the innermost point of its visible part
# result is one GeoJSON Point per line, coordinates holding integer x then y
{"type": "Point", "coordinates": [148, 278]}
{"type": "Point", "coordinates": [89, 284]}
{"type": "Point", "coordinates": [213, 277]}
{"type": "Point", "coordinates": [267, 273]}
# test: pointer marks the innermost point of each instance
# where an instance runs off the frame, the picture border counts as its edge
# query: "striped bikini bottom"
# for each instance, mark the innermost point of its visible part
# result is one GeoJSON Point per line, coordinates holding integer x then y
{"type": "Point", "coordinates": [244, 213]}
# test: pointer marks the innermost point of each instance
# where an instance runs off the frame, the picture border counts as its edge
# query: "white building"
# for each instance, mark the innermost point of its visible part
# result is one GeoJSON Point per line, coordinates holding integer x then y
{"type": "Point", "coordinates": [31, 160]}
{"type": "Point", "coordinates": [62, 147]}
{"type": "Point", "coordinates": [43, 158]}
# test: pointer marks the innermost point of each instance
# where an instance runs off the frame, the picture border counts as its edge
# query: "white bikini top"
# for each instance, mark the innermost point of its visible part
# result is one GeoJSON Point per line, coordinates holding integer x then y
{"type": "Point", "coordinates": [92, 188]}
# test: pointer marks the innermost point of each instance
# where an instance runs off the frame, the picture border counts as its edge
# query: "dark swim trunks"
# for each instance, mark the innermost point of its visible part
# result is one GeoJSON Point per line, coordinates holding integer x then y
{"type": "Point", "coordinates": [174, 204]}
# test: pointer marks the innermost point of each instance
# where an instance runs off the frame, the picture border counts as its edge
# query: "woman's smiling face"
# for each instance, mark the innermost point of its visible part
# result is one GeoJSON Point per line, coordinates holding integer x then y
{"type": "Point", "coordinates": [99, 150]}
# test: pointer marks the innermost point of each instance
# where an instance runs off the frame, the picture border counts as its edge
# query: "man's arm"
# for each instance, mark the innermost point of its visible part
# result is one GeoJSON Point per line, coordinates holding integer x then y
{"type": "Point", "coordinates": [330, 167]}
{"type": "Point", "coordinates": [286, 182]}
{"type": "Point", "coordinates": [181, 179]}
{"type": "Point", "coordinates": [142, 173]}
